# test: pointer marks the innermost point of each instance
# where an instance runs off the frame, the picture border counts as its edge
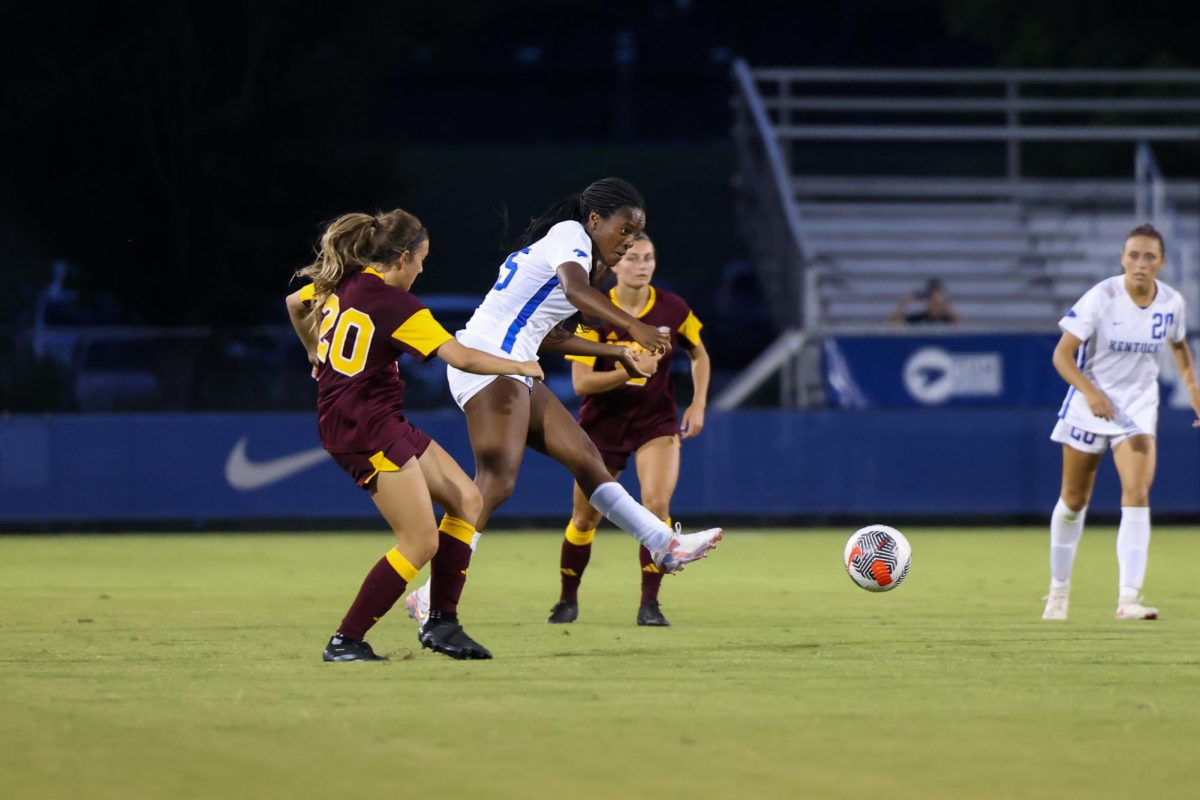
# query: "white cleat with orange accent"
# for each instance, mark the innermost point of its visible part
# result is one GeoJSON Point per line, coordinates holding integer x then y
{"type": "Point", "coordinates": [417, 605]}
{"type": "Point", "coordinates": [685, 548]}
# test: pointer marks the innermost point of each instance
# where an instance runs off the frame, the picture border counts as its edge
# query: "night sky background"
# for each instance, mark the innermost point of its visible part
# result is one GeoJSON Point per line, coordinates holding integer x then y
{"type": "Point", "coordinates": [182, 156]}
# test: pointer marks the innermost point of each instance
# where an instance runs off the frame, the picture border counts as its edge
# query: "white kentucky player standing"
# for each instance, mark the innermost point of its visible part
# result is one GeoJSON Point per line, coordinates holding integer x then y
{"type": "Point", "coordinates": [1109, 354]}
{"type": "Point", "coordinates": [552, 276]}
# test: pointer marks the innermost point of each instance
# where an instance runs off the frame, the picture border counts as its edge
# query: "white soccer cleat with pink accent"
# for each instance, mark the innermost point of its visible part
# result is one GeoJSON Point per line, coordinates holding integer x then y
{"type": "Point", "coordinates": [1134, 609]}
{"type": "Point", "coordinates": [686, 548]}
{"type": "Point", "coordinates": [417, 605]}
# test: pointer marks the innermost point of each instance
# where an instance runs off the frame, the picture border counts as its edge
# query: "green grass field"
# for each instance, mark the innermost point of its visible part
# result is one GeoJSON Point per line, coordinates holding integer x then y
{"type": "Point", "coordinates": [189, 667]}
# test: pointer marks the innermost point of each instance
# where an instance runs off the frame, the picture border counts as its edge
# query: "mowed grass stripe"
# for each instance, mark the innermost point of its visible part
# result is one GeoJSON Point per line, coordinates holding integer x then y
{"type": "Point", "coordinates": [189, 667]}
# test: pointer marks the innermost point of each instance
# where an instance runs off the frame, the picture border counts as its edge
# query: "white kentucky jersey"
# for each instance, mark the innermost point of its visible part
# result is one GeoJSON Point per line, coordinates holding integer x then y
{"type": "Point", "coordinates": [1120, 353]}
{"type": "Point", "coordinates": [527, 301]}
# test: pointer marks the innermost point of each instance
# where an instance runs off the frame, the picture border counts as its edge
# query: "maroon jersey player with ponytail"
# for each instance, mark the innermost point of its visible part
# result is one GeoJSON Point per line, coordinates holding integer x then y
{"type": "Point", "coordinates": [355, 319]}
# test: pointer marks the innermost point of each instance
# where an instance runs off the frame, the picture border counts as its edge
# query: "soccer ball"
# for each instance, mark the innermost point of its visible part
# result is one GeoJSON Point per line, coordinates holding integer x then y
{"type": "Point", "coordinates": [877, 558]}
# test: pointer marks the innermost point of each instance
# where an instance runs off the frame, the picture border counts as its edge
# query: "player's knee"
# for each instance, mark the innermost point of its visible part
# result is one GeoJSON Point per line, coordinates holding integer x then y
{"type": "Point", "coordinates": [469, 504]}
{"type": "Point", "coordinates": [1136, 496]}
{"type": "Point", "coordinates": [1074, 499]}
{"type": "Point", "coordinates": [657, 504]}
{"type": "Point", "coordinates": [585, 520]}
{"type": "Point", "coordinates": [424, 548]}
{"type": "Point", "coordinates": [495, 488]}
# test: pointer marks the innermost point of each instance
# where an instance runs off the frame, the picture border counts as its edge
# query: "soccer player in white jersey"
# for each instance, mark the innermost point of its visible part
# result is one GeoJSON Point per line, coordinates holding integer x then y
{"type": "Point", "coordinates": [552, 276]}
{"type": "Point", "coordinates": [1108, 353]}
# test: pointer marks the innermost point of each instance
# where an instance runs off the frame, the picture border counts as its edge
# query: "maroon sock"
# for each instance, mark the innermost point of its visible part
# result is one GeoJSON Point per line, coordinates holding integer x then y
{"type": "Point", "coordinates": [571, 564]}
{"type": "Point", "coordinates": [448, 573]}
{"type": "Point", "coordinates": [379, 592]}
{"type": "Point", "coordinates": [651, 576]}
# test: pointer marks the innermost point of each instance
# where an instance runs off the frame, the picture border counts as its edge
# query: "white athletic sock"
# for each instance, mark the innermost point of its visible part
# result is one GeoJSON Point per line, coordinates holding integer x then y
{"type": "Point", "coordinates": [1066, 526]}
{"type": "Point", "coordinates": [1133, 543]}
{"type": "Point", "coordinates": [611, 500]}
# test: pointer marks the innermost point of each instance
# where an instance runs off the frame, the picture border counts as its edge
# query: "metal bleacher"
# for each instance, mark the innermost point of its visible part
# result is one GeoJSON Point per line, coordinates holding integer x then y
{"type": "Point", "coordinates": [835, 252]}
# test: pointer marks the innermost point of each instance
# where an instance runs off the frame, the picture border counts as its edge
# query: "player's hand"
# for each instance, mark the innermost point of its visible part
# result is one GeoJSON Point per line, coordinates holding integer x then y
{"type": "Point", "coordinates": [1100, 405]}
{"type": "Point", "coordinates": [635, 364]}
{"type": "Point", "coordinates": [316, 363]}
{"type": "Point", "coordinates": [647, 362]}
{"type": "Point", "coordinates": [649, 337]}
{"type": "Point", "coordinates": [692, 422]}
{"type": "Point", "coordinates": [531, 369]}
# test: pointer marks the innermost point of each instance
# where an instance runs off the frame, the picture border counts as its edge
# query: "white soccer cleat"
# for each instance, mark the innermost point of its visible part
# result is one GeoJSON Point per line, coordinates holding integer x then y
{"type": "Point", "coordinates": [417, 605]}
{"type": "Point", "coordinates": [1056, 604]}
{"type": "Point", "coordinates": [1135, 610]}
{"type": "Point", "coordinates": [685, 548]}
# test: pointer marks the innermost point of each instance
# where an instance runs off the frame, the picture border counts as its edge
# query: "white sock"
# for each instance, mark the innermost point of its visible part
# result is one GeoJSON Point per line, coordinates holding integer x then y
{"type": "Point", "coordinates": [611, 500]}
{"type": "Point", "coordinates": [475, 541]}
{"type": "Point", "coordinates": [1066, 526]}
{"type": "Point", "coordinates": [1133, 543]}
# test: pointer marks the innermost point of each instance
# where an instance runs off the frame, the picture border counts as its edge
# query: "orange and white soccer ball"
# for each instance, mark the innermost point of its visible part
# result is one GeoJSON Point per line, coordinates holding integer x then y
{"type": "Point", "coordinates": [877, 558]}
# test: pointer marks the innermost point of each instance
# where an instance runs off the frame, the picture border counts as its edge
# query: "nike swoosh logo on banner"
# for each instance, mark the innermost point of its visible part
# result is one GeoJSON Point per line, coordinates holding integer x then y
{"type": "Point", "coordinates": [246, 475]}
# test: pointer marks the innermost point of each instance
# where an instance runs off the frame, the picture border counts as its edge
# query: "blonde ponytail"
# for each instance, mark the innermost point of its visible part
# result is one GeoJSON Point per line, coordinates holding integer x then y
{"type": "Point", "coordinates": [354, 241]}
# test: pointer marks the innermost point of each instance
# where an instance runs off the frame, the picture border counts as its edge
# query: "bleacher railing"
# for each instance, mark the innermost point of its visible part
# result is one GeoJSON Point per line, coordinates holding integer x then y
{"type": "Point", "coordinates": [1153, 204]}
{"type": "Point", "coordinates": [777, 111]}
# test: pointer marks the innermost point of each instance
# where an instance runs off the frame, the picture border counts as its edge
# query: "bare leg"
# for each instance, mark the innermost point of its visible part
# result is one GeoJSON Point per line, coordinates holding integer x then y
{"type": "Point", "coordinates": [457, 494]}
{"type": "Point", "coordinates": [658, 473]}
{"type": "Point", "coordinates": [498, 424]}
{"type": "Point", "coordinates": [1078, 477]}
{"type": "Point", "coordinates": [554, 432]}
{"type": "Point", "coordinates": [403, 499]}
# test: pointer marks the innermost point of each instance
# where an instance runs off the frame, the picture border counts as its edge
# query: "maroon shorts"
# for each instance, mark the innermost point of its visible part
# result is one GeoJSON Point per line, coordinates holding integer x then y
{"type": "Point", "coordinates": [616, 445]}
{"type": "Point", "coordinates": [363, 466]}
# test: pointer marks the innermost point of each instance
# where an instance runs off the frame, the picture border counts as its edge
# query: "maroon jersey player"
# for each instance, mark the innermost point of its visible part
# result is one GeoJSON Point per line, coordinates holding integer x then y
{"type": "Point", "coordinates": [355, 319]}
{"type": "Point", "coordinates": [637, 416]}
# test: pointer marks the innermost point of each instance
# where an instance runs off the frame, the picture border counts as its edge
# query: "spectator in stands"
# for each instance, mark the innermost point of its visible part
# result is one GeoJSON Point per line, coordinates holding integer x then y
{"type": "Point", "coordinates": [938, 308]}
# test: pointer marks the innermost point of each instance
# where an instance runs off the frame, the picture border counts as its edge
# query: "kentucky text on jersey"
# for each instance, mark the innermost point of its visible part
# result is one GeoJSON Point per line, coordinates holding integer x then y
{"type": "Point", "coordinates": [1134, 347]}
{"type": "Point", "coordinates": [1125, 369]}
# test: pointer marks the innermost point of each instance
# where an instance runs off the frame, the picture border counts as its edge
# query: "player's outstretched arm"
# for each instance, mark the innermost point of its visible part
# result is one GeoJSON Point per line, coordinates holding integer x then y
{"type": "Point", "coordinates": [560, 340]}
{"type": "Point", "coordinates": [587, 380]}
{"type": "Point", "coordinates": [581, 294]}
{"type": "Point", "coordinates": [1064, 362]}
{"type": "Point", "coordinates": [1187, 374]}
{"type": "Point", "coordinates": [693, 416]}
{"type": "Point", "coordinates": [468, 359]}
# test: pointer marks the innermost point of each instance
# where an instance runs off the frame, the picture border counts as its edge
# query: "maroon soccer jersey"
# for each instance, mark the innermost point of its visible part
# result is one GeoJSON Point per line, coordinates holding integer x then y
{"type": "Point", "coordinates": [365, 326]}
{"type": "Point", "coordinates": [614, 418]}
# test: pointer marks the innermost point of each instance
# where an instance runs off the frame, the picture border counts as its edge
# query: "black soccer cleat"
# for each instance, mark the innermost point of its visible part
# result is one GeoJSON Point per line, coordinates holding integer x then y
{"type": "Point", "coordinates": [650, 614]}
{"type": "Point", "coordinates": [564, 611]}
{"type": "Point", "coordinates": [447, 637]}
{"type": "Point", "coordinates": [343, 649]}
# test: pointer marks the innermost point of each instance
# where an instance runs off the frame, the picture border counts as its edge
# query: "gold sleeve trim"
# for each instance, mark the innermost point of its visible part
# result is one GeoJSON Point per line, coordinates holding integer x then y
{"type": "Point", "coordinates": [422, 332]}
{"type": "Point", "coordinates": [690, 329]}
{"type": "Point", "coordinates": [592, 335]}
